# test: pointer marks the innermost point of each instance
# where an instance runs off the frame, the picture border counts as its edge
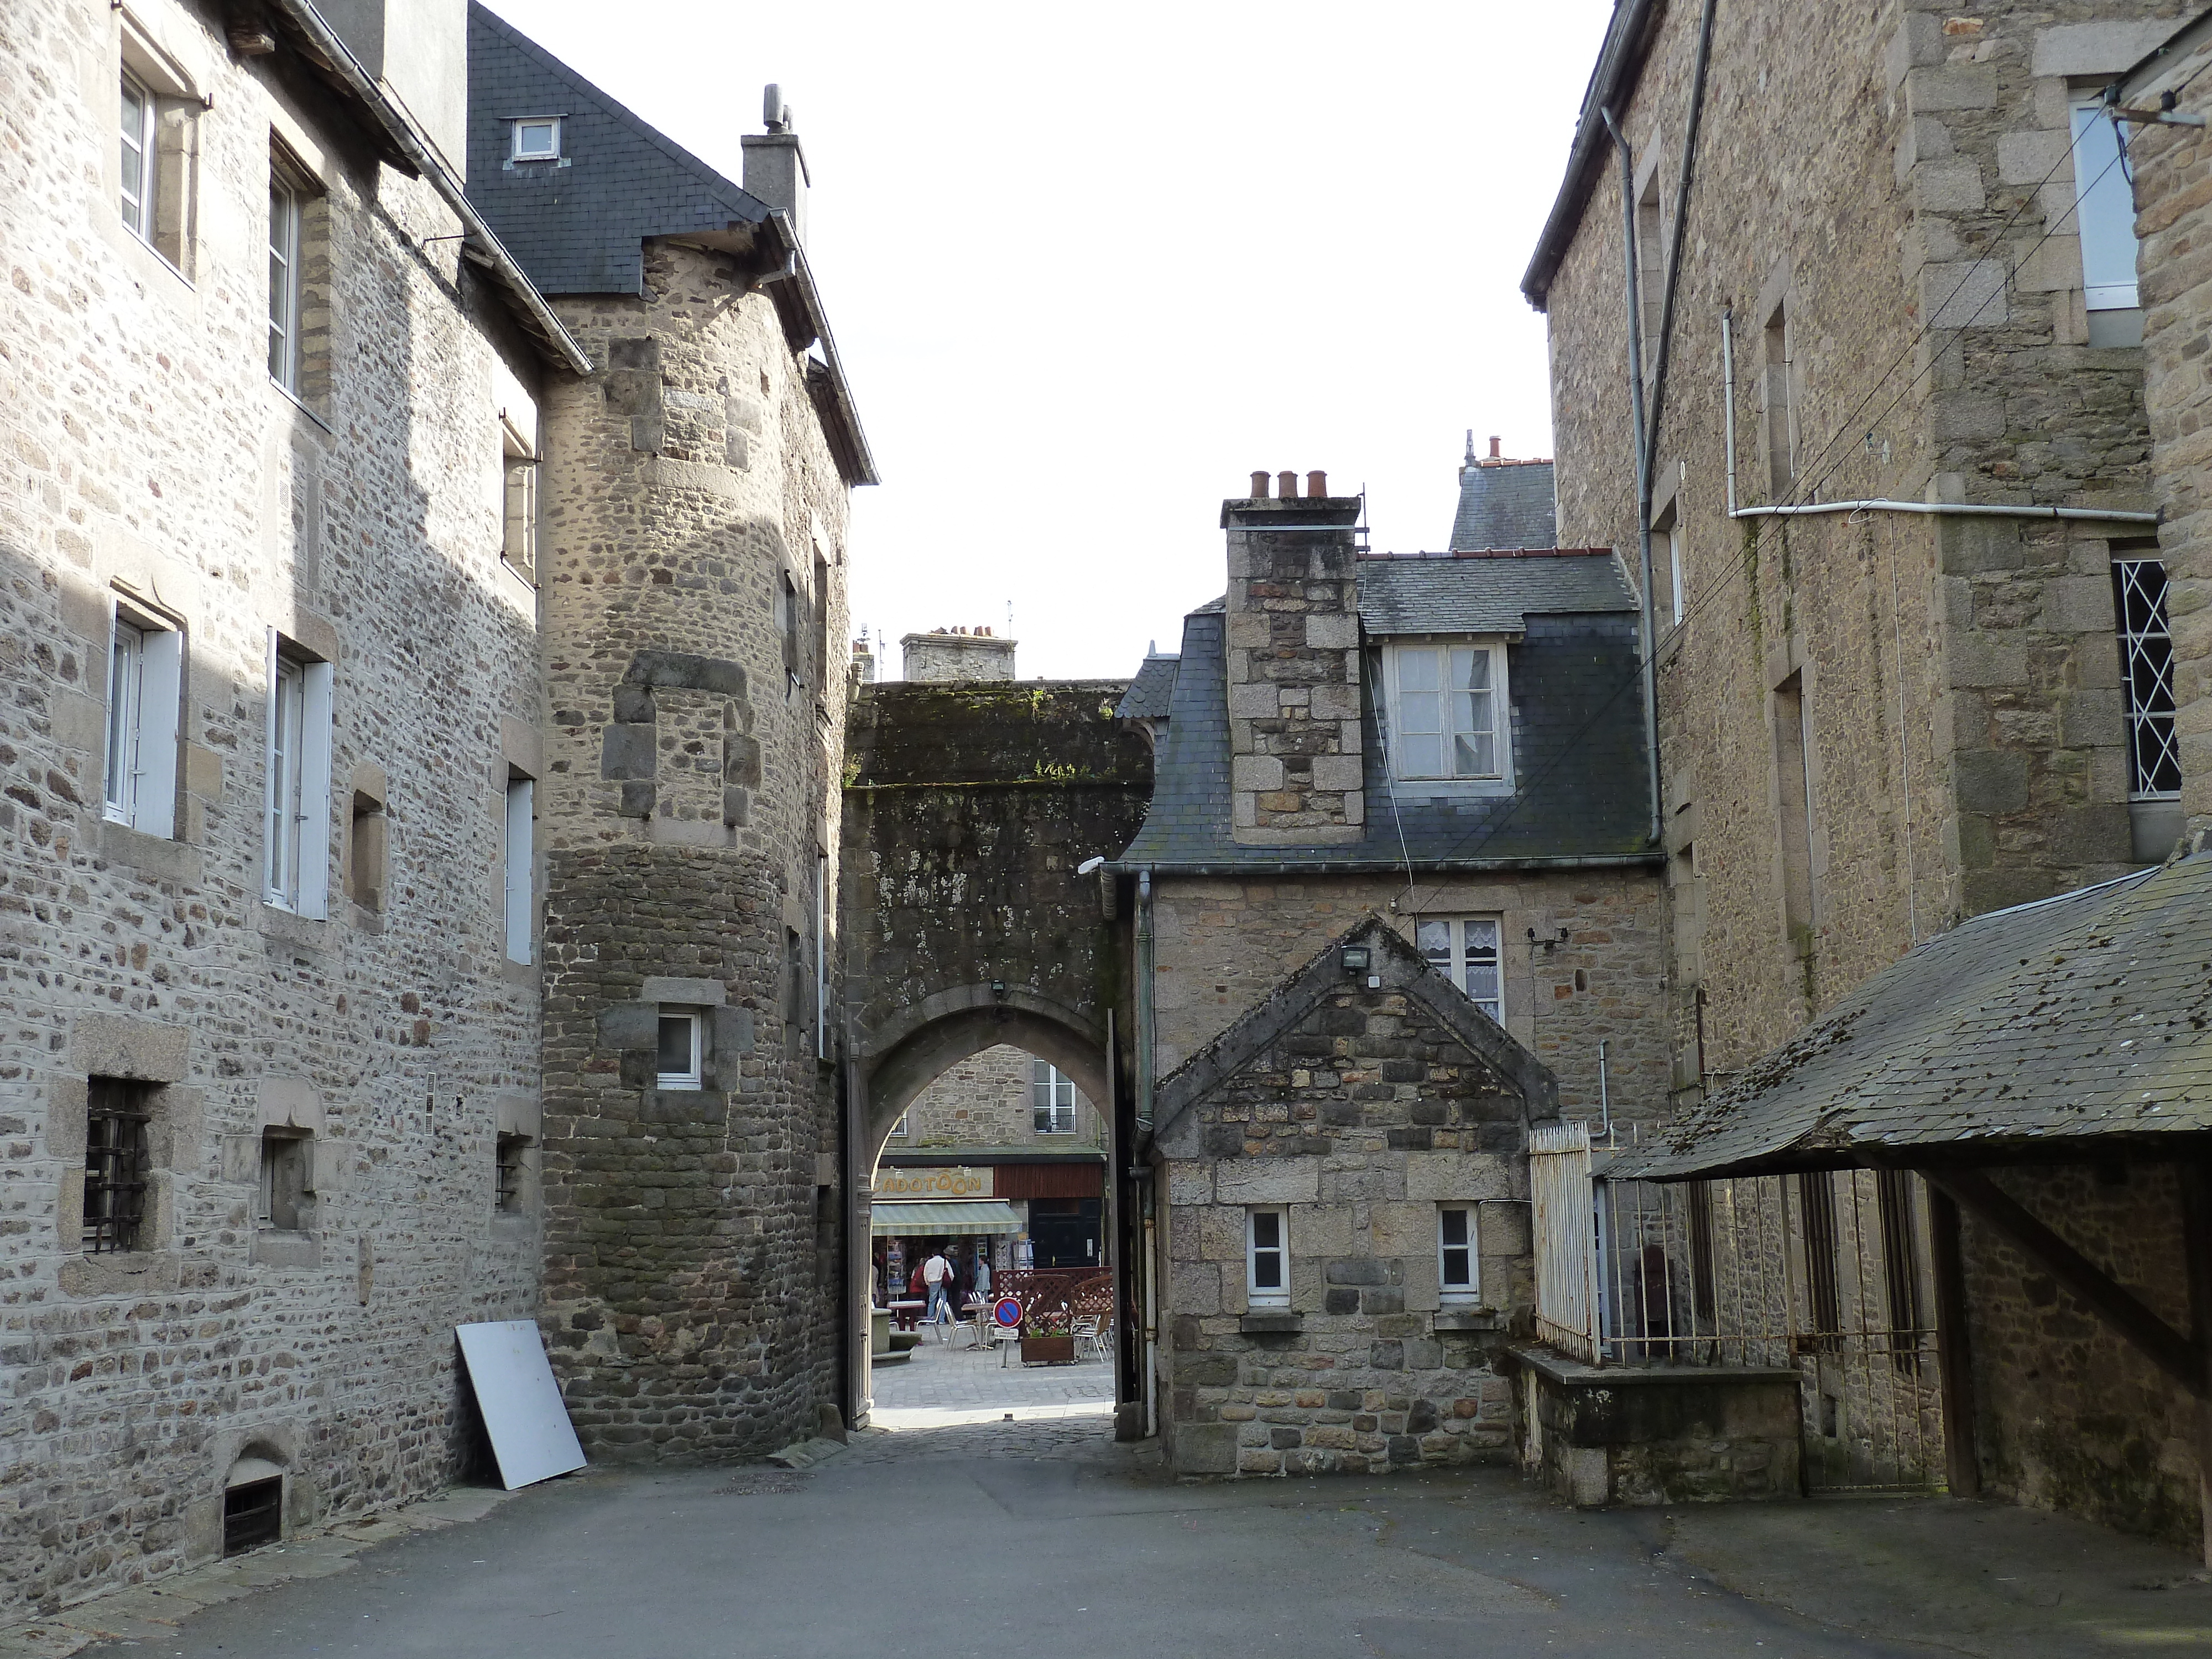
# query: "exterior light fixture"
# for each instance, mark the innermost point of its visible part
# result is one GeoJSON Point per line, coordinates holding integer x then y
{"type": "Point", "coordinates": [1354, 959]}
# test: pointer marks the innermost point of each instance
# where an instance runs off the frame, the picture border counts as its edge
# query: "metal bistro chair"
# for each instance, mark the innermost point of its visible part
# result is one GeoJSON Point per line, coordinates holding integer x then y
{"type": "Point", "coordinates": [1087, 1336]}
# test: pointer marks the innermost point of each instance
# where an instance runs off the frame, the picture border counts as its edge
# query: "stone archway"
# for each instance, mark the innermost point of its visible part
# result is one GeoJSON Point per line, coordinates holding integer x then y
{"type": "Point", "coordinates": [966, 917]}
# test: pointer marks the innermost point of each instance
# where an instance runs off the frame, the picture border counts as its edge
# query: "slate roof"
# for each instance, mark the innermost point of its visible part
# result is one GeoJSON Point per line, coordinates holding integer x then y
{"type": "Point", "coordinates": [2077, 1019]}
{"type": "Point", "coordinates": [1576, 696]}
{"type": "Point", "coordinates": [1150, 693]}
{"type": "Point", "coordinates": [1436, 596]}
{"type": "Point", "coordinates": [578, 227]}
{"type": "Point", "coordinates": [1502, 505]}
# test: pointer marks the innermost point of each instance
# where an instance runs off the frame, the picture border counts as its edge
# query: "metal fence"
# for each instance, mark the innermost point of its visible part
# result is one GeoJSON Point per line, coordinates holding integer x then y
{"type": "Point", "coordinates": [1825, 1273]}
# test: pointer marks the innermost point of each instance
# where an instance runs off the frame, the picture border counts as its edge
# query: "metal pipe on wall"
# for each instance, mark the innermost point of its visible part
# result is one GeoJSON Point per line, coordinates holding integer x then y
{"type": "Point", "coordinates": [1643, 466]}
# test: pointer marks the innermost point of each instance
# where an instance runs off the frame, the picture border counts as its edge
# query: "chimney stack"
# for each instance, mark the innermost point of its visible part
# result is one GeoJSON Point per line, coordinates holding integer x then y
{"type": "Point", "coordinates": [776, 167]}
{"type": "Point", "coordinates": [957, 653]}
{"type": "Point", "coordinates": [1297, 773]}
{"type": "Point", "coordinates": [1493, 450]}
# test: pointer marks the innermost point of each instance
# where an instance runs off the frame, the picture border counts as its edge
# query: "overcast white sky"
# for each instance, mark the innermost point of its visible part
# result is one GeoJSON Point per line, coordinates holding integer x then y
{"type": "Point", "coordinates": [1089, 268]}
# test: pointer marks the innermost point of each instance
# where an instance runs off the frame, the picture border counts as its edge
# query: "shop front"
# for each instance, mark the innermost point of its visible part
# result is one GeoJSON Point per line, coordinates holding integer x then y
{"type": "Point", "coordinates": [1002, 1215]}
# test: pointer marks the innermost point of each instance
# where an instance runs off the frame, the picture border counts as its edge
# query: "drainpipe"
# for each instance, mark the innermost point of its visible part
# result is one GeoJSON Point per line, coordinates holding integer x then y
{"type": "Point", "coordinates": [1146, 1039]}
{"type": "Point", "coordinates": [1640, 437]}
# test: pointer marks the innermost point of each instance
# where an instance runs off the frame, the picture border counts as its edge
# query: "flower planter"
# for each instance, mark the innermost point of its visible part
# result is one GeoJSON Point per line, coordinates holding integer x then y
{"type": "Point", "coordinates": [1048, 1349]}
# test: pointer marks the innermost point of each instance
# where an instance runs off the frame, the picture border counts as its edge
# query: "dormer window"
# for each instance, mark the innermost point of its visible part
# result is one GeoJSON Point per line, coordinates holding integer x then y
{"type": "Point", "coordinates": [1448, 712]}
{"type": "Point", "coordinates": [537, 138]}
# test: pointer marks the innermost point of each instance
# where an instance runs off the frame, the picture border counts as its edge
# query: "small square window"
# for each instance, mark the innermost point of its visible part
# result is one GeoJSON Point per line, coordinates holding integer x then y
{"type": "Point", "coordinates": [681, 1042]}
{"type": "Point", "coordinates": [1459, 1272]}
{"type": "Point", "coordinates": [1266, 1259]}
{"type": "Point", "coordinates": [537, 139]}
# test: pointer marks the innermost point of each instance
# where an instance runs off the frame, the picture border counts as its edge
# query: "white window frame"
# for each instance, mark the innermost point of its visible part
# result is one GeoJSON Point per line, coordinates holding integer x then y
{"type": "Point", "coordinates": [145, 674]}
{"type": "Point", "coordinates": [528, 123]}
{"type": "Point", "coordinates": [1052, 1099]}
{"type": "Point", "coordinates": [2103, 206]}
{"type": "Point", "coordinates": [296, 791]}
{"type": "Point", "coordinates": [285, 213]}
{"type": "Point", "coordinates": [518, 501]}
{"type": "Point", "coordinates": [520, 892]}
{"type": "Point", "coordinates": [1470, 943]}
{"type": "Point", "coordinates": [138, 133]}
{"type": "Point", "coordinates": [696, 1076]}
{"type": "Point", "coordinates": [2147, 664]}
{"type": "Point", "coordinates": [899, 1127]}
{"type": "Point", "coordinates": [1469, 1290]}
{"type": "Point", "coordinates": [1407, 736]}
{"type": "Point", "coordinates": [1255, 1294]}
{"type": "Point", "coordinates": [1674, 534]}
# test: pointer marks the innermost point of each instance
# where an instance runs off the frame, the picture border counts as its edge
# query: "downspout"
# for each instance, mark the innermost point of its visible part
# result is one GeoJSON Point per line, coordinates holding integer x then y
{"type": "Point", "coordinates": [1145, 1038]}
{"type": "Point", "coordinates": [1640, 438]}
{"type": "Point", "coordinates": [1675, 247]}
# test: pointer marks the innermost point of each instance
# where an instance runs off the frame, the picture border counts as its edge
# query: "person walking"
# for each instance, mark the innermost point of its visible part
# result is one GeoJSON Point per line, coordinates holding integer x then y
{"type": "Point", "coordinates": [937, 1274]}
{"type": "Point", "coordinates": [982, 1277]}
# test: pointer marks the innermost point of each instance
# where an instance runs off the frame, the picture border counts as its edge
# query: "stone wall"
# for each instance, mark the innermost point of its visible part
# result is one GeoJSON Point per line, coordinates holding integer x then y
{"type": "Point", "coordinates": [2067, 1415]}
{"type": "Point", "coordinates": [696, 629]}
{"type": "Point", "coordinates": [151, 458]}
{"type": "Point", "coordinates": [1221, 945]}
{"type": "Point", "coordinates": [985, 1100]}
{"type": "Point", "coordinates": [1356, 1108]}
{"type": "Point", "coordinates": [2168, 166]}
{"type": "Point", "coordinates": [1960, 677]}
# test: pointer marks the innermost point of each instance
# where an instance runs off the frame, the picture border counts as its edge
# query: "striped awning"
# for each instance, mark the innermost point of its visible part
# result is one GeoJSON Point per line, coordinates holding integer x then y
{"type": "Point", "coordinates": [952, 1216]}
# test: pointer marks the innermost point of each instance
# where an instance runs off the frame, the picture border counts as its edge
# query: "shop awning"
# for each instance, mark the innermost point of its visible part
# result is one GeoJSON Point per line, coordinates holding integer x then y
{"type": "Point", "coordinates": [948, 1216]}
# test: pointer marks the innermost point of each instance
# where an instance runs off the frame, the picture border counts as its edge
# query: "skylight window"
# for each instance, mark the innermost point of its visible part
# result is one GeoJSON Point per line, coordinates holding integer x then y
{"type": "Point", "coordinates": [537, 139]}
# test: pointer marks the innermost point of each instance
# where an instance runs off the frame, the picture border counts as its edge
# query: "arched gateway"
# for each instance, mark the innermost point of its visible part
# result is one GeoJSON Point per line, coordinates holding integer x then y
{"type": "Point", "coordinates": [966, 920]}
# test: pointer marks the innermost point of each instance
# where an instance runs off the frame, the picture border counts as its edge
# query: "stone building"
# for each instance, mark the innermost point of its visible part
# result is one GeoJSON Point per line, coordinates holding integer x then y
{"type": "Point", "coordinates": [693, 522]}
{"type": "Point", "coordinates": [1440, 740]}
{"type": "Point", "coordinates": [1006, 1126]}
{"type": "Point", "coordinates": [1888, 663]}
{"type": "Point", "coordinates": [1890, 454]}
{"type": "Point", "coordinates": [273, 708]}
{"type": "Point", "coordinates": [1344, 1178]}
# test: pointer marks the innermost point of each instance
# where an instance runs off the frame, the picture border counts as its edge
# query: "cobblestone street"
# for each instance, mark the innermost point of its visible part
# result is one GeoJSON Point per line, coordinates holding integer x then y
{"type": "Point", "coordinates": [956, 1401]}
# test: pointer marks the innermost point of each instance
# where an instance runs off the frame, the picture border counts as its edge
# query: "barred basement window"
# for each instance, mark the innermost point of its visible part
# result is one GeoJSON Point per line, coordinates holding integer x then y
{"type": "Point", "coordinates": [509, 1151]}
{"type": "Point", "coordinates": [2146, 678]}
{"type": "Point", "coordinates": [252, 1515]}
{"type": "Point", "coordinates": [115, 1160]}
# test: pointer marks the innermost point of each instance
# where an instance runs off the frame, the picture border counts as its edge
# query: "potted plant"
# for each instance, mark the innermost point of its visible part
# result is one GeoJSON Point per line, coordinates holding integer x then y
{"type": "Point", "coordinates": [1047, 1337]}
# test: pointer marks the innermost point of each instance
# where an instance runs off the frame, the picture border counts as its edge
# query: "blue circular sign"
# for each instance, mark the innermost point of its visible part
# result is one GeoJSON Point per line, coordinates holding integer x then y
{"type": "Point", "coordinates": [1008, 1312]}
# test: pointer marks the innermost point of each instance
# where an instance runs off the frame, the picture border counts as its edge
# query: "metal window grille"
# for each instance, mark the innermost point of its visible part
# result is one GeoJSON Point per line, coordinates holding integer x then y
{"type": "Point", "coordinates": [509, 1151]}
{"type": "Point", "coordinates": [115, 1159]}
{"type": "Point", "coordinates": [252, 1515]}
{"type": "Point", "coordinates": [1728, 1273]}
{"type": "Point", "coordinates": [2146, 676]}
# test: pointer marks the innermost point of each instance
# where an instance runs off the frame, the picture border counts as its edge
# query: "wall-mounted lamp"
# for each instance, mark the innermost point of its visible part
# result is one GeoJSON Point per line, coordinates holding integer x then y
{"type": "Point", "coordinates": [1088, 865]}
{"type": "Point", "coordinates": [1546, 942]}
{"type": "Point", "coordinates": [998, 988]}
{"type": "Point", "coordinates": [1354, 959]}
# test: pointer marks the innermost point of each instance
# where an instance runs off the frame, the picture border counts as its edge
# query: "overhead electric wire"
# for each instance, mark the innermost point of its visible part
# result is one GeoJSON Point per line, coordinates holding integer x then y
{"type": "Point", "coordinates": [1712, 590]}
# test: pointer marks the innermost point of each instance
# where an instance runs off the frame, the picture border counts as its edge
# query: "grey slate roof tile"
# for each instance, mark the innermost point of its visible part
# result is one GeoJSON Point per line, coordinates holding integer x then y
{"type": "Point", "coordinates": [1491, 596]}
{"type": "Point", "coordinates": [2085, 1015]}
{"type": "Point", "coordinates": [1506, 504]}
{"type": "Point", "coordinates": [1578, 752]}
{"type": "Point", "coordinates": [580, 228]}
{"type": "Point", "coordinates": [1150, 693]}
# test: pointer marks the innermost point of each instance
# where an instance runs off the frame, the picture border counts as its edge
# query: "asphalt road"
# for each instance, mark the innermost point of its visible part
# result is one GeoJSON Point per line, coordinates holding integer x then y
{"type": "Point", "coordinates": [969, 1541]}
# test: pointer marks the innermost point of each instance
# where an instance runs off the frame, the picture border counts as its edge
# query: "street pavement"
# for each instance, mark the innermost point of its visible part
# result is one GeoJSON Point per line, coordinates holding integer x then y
{"type": "Point", "coordinates": [945, 1530]}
